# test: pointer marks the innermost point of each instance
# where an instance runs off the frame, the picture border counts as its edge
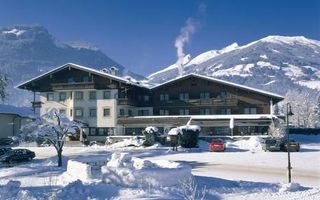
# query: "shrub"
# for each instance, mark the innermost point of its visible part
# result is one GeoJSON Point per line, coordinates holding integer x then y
{"type": "Point", "coordinates": [189, 138]}
{"type": "Point", "coordinates": [150, 135]}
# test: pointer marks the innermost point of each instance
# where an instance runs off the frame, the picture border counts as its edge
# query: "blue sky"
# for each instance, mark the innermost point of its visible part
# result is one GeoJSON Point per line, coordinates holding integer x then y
{"type": "Point", "coordinates": [140, 34]}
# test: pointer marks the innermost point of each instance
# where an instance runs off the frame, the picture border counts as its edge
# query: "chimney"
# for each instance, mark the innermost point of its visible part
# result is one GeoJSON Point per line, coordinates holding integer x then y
{"type": "Point", "coordinates": [105, 70]}
{"type": "Point", "coordinates": [114, 71]}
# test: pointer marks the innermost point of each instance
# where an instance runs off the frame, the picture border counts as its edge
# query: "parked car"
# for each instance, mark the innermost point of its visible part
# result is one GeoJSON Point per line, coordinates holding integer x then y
{"type": "Point", "coordinates": [4, 150]}
{"type": "Point", "coordinates": [271, 144]}
{"type": "Point", "coordinates": [217, 145]}
{"type": "Point", "coordinates": [17, 155]}
{"type": "Point", "coordinates": [6, 141]}
{"type": "Point", "coordinates": [292, 145]}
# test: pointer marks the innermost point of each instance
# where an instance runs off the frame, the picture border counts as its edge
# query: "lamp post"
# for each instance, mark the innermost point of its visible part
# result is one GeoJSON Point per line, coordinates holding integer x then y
{"type": "Point", "coordinates": [289, 113]}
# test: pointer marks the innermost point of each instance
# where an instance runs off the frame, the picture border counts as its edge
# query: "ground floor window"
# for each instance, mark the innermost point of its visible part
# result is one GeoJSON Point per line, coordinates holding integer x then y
{"type": "Point", "coordinates": [93, 131]}
{"type": "Point", "coordinates": [223, 131]}
{"type": "Point", "coordinates": [134, 131]}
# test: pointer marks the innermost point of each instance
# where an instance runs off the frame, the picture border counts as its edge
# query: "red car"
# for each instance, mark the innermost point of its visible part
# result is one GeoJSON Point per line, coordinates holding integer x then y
{"type": "Point", "coordinates": [217, 145]}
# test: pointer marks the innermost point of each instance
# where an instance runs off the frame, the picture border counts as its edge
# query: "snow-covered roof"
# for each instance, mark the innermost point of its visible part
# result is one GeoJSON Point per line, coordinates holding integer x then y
{"type": "Point", "coordinates": [12, 110]}
{"type": "Point", "coordinates": [195, 117]}
{"type": "Point", "coordinates": [222, 82]}
{"type": "Point", "coordinates": [80, 67]}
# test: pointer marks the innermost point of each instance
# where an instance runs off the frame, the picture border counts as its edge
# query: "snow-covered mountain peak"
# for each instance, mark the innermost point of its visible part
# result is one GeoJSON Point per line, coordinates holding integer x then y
{"type": "Point", "coordinates": [292, 62]}
{"type": "Point", "coordinates": [291, 40]}
{"type": "Point", "coordinates": [229, 48]}
{"type": "Point", "coordinates": [14, 31]}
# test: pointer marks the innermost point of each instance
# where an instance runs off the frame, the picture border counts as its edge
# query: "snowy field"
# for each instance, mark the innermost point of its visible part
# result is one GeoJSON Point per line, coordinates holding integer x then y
{"type": "Point", "coordinates": [117, 171]}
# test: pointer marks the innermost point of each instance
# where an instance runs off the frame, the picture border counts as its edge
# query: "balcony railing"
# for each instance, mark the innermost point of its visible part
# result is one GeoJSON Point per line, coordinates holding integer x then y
{"type": "Point", "coordinates": [132, 102]}
{"type": "Point", "coordinates": [72, 86]}
{"type": "Point", "coordinates": [198, 102]}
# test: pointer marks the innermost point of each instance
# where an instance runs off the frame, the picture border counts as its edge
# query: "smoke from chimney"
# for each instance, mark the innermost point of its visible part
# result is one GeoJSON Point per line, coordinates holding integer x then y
{"type": "Point", "coordinates": [184, 37]}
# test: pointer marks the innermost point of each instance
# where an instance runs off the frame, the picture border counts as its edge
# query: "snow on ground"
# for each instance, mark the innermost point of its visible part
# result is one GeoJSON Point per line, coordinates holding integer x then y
{"type": "Point", "coordinates": [244, 171]}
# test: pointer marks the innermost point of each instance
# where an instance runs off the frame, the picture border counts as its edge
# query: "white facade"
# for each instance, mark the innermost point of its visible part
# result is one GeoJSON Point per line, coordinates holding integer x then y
{"type": "Point", "coordinates": [97, 113]}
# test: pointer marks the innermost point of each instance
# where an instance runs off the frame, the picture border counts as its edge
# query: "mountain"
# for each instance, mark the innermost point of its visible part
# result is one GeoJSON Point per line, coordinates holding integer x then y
{"type": "Point", "coordinates": [27, 51]}
{"type": "Point", "coordinates": [273, 63]}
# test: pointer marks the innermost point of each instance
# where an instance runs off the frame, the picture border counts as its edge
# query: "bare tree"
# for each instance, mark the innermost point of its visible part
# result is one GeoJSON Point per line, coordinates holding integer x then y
{"type": "Point", "coordinates": [52, 127]}
{"type": "Point", "coordinates": [190, 191]}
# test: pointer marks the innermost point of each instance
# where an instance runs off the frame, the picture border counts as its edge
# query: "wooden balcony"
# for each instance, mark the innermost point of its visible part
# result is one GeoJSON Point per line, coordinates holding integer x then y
{"type": "Point", "coordinates": [132, 102]}
{"type": "Point", "coordinates": [198, 102]}
{"type": "Point", "coordinates": [73, 86]}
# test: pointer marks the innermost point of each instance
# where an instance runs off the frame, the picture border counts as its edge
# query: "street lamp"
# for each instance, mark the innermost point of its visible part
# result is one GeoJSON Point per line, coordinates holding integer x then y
{"type": "Point", "coordinates": [289, 113]}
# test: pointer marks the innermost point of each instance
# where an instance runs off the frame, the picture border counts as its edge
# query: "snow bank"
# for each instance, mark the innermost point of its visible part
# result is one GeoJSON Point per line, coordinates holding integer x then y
{"type": "Point", "coordinates": [74, 190]}
{"type": "Point", "coordinates": [291, 187]}
{"type": "Point", "coordinates": [254, 144]}
{"type": "Point", "coordinates": [79, 170]}
{"type": "Point", "coordinates": [134, 141]}
{"type": "Point", "coordinates": [179, 130]}
{"type": "Point", "coordinates": [128, 171]}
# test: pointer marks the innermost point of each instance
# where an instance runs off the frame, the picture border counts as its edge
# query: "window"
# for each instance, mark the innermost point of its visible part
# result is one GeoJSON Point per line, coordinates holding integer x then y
{"type": "Point", "coordinates": [102, 131]}
{"type": "Point", "coordinates": [92, 95]}
{"type": "Point", "coordinates": [184, 96]}
{"type": "Point", "coordinates": [92, 131]}
{"type": "Point", "coordinates": [79, 95]}
{"type": "Point", "coordinates": [164, 97]}
{"type": "Point", "coordinates": [70, 112]}
{"type": "Point", "coordinates": [184, 111]}
{"type": "Point", "coordinates": [70, 80]}
{"type": "Point", "coordinates": [106, 112]}
{"type": "Point", "coordinates": [107, 95]}
{"type": "Point", "coordinates": [62, 111]}
{"type": "Point", "coordinates": [50, 97]}
{"type": "Point", "coordinates": [143, 112]}
{"type": "Point", "coordinates": [93, 112]}
{"type": "Point", "coordinates": [204, 111]}
{"type": "Point", "coordinates": [78, 112]}
{"type": "Point", "coordinates": [62, 96]}
{"type": "Point", "coordinates": [253, 110]}
{"type": "Point", "coordinates": [130, 112]}
{"type": "Point", "coordinates": [226, 111]}
{"type": "Point", "coordinates": [163, 112]}
{"type": "Point", "coordinates": [121, 112]}
{"type": "Point", "coordinates": [70, 95]}
{"type": "Point", "coordinates": [85, 79]}
{"type": "Point", "coordinates": [223, 131]}
{"type": "Point", "coordinates": [250, 110]}
{"type": "Point", "coordinates": [145, 98]}
{"type": "Point", "coordinates": [204, 95]}
{"type": "Point", "coordinates": [225, 95]}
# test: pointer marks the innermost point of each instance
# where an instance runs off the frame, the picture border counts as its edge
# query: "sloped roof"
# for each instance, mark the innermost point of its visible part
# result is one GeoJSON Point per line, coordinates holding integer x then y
{"type": "Point", "coordinates": [80, 67]}
{"type": "Point", "coordinates": [221, 82]}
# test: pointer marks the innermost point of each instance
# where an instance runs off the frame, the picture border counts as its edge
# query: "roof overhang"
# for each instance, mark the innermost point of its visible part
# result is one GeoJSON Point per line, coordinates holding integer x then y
{"type": "Point", "coordinates": [254, 90]}
{"type": "Point", "coordinates": [25, 84]}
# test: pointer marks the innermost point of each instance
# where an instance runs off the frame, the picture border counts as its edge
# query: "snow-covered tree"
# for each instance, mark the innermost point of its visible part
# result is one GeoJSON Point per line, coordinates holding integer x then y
{"type": "Point", "coordinates": [3, 85]}
{"type": "Point", "coordinates": [316, 114]}
{"type": "Point", "coordinates": [52, 127]}
{"type": "Point", "coordinates": [302, 104]}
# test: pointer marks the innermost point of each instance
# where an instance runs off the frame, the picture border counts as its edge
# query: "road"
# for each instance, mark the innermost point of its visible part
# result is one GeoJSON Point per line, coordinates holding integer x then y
{"type": "Point", "coordinates": [251, 168]}
{"type": "Point", "coordinates": [256, 173]}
